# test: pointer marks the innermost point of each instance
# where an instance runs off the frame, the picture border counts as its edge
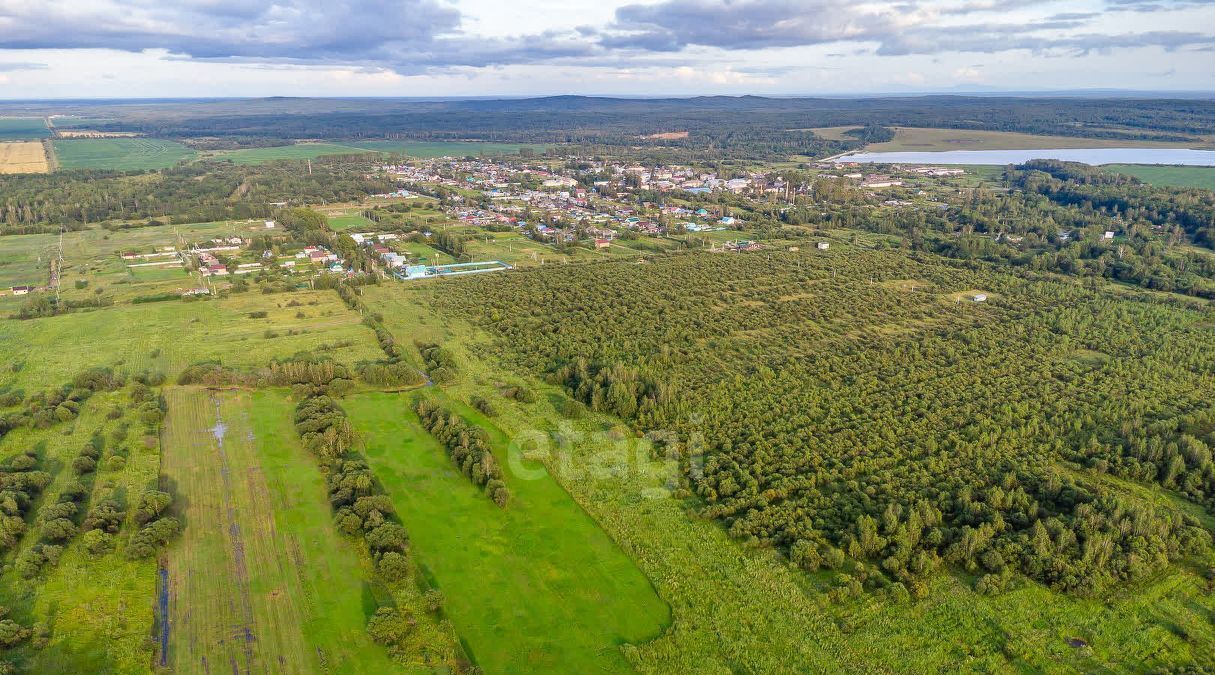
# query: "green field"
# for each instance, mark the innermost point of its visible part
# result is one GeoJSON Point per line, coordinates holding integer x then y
{"type": "Point", "coordinates": [297, 151]}
{"type": "Point", "coordinates": [534, 587]}
{"type": "Point", "coordinates": [25, 259]}
{"type": "Point", "coordinates": [168, 336]}
{"type": "Point", "coordinates": [926, 139]}
{"type": "Point", "coordinates": [347, 221]}
{"type": "Point", "coordinates": [1173, 176]}
{"type": "Point", "coordinates": [260, 579]}
{"type": "Point", "coordinates": [23, 128]}
{"type": "Point", "coordinates": [124, 154]}
{"type": "Point", "coordinates": [433, 149]}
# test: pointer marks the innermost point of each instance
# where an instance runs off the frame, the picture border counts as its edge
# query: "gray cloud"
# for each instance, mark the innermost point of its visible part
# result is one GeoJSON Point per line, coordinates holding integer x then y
{"type": "Point", "coordinates": [416, 36]}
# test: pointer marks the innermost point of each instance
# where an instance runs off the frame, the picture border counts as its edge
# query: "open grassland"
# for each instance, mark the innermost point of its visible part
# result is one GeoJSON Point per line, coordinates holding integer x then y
{"type": "Point", "coordinates": [348, 219]}
{"type": "Point", "coordinates": [1175, 176]}
{"type": "Point", "coordinates": [24, 259]}
{"type": "Point", "coordinates": [168, 336]}
{"type": "Point", "coordinates": [432, 149]}
{"type": "Point", "coordinates": [23, 128]}
{"type": "Point", "coordinates": [122, 154]}
{"type": "Point", "coordinates": [533, 587]}
{"type": "Point", "coordinates": [920, 139]}
{"type": "Point", "coordinates": [296, 151]}
{"type": "Point", "coordinates": [260, 580]}
{"type": "Point", "coordinates": [100, 607]}
{"type": "Point", "coordinates": [23, 157]}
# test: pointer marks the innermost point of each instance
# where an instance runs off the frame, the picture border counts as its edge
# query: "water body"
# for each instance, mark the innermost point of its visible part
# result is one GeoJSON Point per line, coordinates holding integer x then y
{"type": "Point", "coordinates": [1093, 156]}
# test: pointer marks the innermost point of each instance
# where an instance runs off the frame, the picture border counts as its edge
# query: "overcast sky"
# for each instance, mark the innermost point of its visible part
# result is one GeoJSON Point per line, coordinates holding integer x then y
{"type": "Point", "coordinates": [182, 48]}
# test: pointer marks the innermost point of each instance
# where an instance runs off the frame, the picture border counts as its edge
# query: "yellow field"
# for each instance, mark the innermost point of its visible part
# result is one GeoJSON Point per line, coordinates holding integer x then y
{"type": "Point", "coordinates": [916, 139]}
{"type": "Point", "coordinates": [23, 157]}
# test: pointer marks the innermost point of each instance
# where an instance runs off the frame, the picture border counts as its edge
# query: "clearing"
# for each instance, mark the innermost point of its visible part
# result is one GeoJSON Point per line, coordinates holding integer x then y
{"type": "Point", "coordinates": [296, 151]}
{"type": "Point", "coordinates": [535, 587]}
{"type": "Point", "coordinates": [433, 149]}
{"type": "Point", "coordinates": [119, 153]}
{"type": "Point", "coordinates": [23, 157]}
{"type": "Point", "coordinates": [260, 580]}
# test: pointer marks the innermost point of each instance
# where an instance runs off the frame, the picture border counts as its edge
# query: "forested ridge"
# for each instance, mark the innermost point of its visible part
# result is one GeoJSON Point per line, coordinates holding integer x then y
{"type": "Point", "coordinates": [862, 413]}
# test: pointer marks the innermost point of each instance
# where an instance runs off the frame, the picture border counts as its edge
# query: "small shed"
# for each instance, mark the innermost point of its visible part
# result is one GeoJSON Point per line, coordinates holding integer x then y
{"type": "Point", "coordinates": [823, 245]}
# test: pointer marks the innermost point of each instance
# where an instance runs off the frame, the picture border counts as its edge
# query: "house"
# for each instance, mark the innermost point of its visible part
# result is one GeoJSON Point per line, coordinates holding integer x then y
{"type": "Point", "coordinates": [602, 243]}
{"type": "Point", "coordinates": [21, 290]}
{"type": "Point", "coordinates": [728, 220]}
{"type": "Point", "coordinates": [823, 245]}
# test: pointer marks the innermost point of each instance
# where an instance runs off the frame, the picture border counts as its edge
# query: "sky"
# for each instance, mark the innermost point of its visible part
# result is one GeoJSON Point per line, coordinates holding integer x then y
{"type": "Point", "coordinates": [425, 48]}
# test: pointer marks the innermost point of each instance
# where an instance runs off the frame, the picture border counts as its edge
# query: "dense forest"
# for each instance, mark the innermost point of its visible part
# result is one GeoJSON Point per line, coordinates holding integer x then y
{"type": "Point", "coordinates": [197, 192]}
{"type": "Point", "coordinates": [862, 413]}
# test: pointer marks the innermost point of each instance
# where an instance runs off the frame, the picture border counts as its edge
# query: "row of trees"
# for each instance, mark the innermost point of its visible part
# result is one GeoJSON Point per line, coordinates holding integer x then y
{"type": "Point", "coordinates": [468, 447]}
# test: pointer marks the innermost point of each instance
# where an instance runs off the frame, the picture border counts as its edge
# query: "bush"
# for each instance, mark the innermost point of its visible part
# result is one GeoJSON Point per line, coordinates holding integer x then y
{"type": "Point", "coordinates": [393, 566]}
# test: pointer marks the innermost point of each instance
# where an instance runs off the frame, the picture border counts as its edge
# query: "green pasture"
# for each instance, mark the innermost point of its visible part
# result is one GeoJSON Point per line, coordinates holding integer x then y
{"type": "Point", "coordinates": [119, 153]}
{"type": "Point", "coordinates": [535, 587]}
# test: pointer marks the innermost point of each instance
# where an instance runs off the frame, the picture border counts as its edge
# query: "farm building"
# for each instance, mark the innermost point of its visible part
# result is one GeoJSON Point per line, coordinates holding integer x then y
{"type": "Point", "coordinates": [21, 290]}
{"type": "Point", "coordinates": [602, 243]}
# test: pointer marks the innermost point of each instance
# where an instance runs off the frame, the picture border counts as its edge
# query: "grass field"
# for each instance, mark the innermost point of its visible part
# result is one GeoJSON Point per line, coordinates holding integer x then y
{"type": "Point", "coordinates": [260, 580]}
{"type": "Point", "coordinates": [23, 157]}
{"type": "Point", "coordinates": [24, 260]}
{"type": "Point", "coordinates": [1176, 176]}
{"type": "Point", "coordinates": [297, 151]}
{"type": "Point", "coordinates": [346, 221]}
{"type": "Point", "coordinates": [168, 336]}
{"type": "Point", "coordinates": [23, 128]}
{"type": "Point", "coordinates": [432, 149]}
{"type": "Point", "coordinates": [119, 153]}
{"type": "Point", "coordinates": [912, 139]}
{"type": "Point", "coordinates": [534, 587]}
{"type": "Point", "coordinates": [833, 133]}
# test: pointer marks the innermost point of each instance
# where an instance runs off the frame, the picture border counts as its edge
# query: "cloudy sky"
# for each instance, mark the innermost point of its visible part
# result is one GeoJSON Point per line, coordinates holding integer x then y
{"type": "Point", "coordinates": [177, 48]}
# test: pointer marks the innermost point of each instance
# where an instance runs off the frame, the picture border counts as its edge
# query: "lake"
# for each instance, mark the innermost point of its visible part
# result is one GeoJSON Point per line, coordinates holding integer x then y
{"type": "Point", "coordinates": [1094, 156]}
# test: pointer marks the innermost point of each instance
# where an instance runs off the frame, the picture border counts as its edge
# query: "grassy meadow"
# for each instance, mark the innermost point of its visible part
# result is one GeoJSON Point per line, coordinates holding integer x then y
{"type": "Point", "coordinates": [25, 260]}
{"type": "Point", "coordinates": [535, 587]}
{"type": "Point", "coordinates": [123, 154]}
{"type": "Point", "coordinates": [1202, 177]}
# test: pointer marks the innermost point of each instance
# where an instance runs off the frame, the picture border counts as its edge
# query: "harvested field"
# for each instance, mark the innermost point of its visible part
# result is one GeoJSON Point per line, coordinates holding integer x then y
{"type": "Point", "coordinates": [23, 157]}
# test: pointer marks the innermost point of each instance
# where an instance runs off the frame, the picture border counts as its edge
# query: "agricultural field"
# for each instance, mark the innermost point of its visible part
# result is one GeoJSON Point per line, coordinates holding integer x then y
{"type": "Point", "coordinates": [23, 157]}
{"type": "Point", "coordinates": [1173, 176]}
{"type": "Point", "coordinates": [296, 151]}
{"type": "Point", "coordinates": [834, 133]}
{"type": "Point", "coordinates": [123, 154]}
{"type": "Point", "coordinates": [911, 139]}
{"type": "Point", "coordinates": [261, 581]}
{"type": "Point", "coordinates": [23, 128]}
{"type": "Point", "coordinates": [432, 149]}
